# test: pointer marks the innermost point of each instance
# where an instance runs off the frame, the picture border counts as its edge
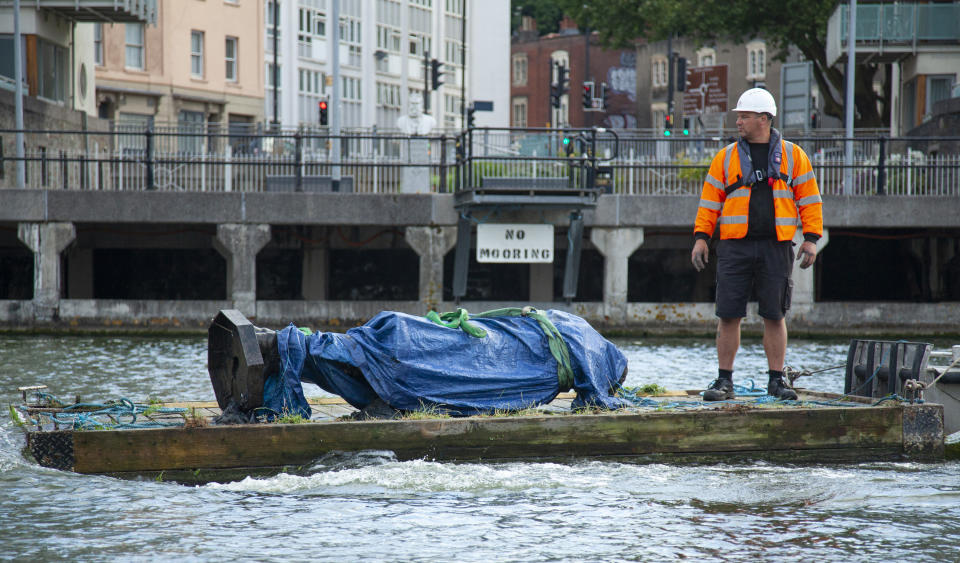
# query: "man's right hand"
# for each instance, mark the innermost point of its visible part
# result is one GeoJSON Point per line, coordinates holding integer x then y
{"type": "Point", "coordinates": [700, 255]}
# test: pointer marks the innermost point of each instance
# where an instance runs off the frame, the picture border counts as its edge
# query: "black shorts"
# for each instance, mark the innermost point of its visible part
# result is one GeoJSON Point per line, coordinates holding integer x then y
{"type": "Point", "coordinates": [745, 265]}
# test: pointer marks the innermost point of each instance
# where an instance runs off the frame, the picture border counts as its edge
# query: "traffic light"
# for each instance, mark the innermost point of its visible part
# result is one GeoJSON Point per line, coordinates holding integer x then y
{"type": "Point", "coordinates": [322, 105]}
{"type": "Point", "coordinates": [604, 96]}
{"type": "Point", "coordinates": [668, 121]}
{"type": "Point", "coordinates": [470, 112]}
{"type": "Point", "coordinates": [436, 74]}
{"type": "Point", "coordinates": [588, 95]}
{"type": "Point", "coordinates": [681, 74]}
{"type": "Point", "coordinates": [555, 95]}
{"type": "Point", "coordinates": [563, 79]}
{"type": "Point", "coordinates": [568, 144]}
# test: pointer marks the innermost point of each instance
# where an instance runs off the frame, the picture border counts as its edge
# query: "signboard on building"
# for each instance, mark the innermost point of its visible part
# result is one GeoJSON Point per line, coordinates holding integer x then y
{"type": "Point", "coordinates": [516, 243]}
{"type": "Point", "coordinates": [796, 94]}
{"type": "Point", "coordinates": [706, 90]}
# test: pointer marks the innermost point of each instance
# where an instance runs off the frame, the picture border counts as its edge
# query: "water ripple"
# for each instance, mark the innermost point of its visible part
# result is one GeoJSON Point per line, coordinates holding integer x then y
{"type": "Point", "coordinates": [370, 506]}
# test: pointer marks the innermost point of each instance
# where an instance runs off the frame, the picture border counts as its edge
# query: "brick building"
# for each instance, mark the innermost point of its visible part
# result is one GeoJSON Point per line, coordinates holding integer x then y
{"type": "Point", "coordinates": [531, 73]}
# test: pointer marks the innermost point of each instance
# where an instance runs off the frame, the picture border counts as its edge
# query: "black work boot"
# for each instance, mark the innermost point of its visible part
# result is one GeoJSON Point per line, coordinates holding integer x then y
{"type": "Point", "coordinates": [777, 387]}
{"type": "Point", "coordinates": [720, 390]}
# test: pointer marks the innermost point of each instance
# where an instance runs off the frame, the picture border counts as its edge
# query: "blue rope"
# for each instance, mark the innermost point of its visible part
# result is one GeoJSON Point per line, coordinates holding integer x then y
{"type": "Point", "coordinates": [90, 416]}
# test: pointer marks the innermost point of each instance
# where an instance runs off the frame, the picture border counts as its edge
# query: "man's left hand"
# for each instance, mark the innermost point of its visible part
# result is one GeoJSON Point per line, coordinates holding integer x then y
{"type": "Point", "coordinates": [807, 254]}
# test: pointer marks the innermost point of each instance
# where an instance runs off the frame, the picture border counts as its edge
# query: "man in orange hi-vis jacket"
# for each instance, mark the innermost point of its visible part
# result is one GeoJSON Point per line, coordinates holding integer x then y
{"type": "Point", "coordinates": [758, 190]}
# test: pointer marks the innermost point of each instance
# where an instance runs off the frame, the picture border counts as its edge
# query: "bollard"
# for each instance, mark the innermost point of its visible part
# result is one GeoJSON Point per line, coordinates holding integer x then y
{"type": "Point", "coordinates": [298, 161]}
{"type": "Point", "coordinates": [443, 164]}
{"type": "Point", "coordinates": [148, 158]}
{"type": "Point", "coordinates": [882, 167]}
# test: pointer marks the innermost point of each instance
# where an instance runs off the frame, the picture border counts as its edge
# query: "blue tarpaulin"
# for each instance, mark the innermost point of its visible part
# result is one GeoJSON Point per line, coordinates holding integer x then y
{"type": "Point", "coordinates": [412, 363]}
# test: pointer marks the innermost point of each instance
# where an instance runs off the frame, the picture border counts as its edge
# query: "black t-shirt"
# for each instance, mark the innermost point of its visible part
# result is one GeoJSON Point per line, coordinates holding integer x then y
{"type": "Point", "coordinates": [761, 220]}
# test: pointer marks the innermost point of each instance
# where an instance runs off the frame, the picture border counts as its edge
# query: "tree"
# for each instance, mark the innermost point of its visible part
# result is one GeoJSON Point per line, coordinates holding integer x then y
{"type": "Point", "coordinates": [799, 23]}
{"type": "Point", "coordinates": [547, 14]}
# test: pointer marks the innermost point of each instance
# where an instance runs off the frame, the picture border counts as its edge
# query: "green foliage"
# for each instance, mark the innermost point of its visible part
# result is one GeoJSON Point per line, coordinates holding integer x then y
{"type": "Point", "coordinates": [693, 171]}
{"type": "Point", "coordinates": [547, 13]}
{"type": "Point", "coordinates": [290, 418]}
{"type": "Point", "coordinates": [800, 23]}
{"type": "Point", "coordinates": [15, 417]}
{"type": "Point", "coordinates": [425, 412]}
{"type": "Point", "coordinates": [652, 389]}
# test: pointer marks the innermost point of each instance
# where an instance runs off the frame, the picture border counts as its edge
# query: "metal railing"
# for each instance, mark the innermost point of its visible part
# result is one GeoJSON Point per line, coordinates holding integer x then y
{"type": "Point", "coordinates": [623, 161]}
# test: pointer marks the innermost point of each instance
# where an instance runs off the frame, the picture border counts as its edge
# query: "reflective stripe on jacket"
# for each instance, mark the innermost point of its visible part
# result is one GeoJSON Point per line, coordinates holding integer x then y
{"type": "Point", "coordinates": [725, 198]}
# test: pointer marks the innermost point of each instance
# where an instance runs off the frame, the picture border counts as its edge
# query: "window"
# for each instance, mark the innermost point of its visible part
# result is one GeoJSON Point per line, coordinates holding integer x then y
{"type": "Point", "coordinates": [196, 54]}
{"type": "Point", "coordinates": [454, 6]}
{"type": "Point", "coordinates": [351, 88]}
{"type": "Point", "coordinates": [274, 72]}
{"type": "Point", "coordinates": [190, 123]}
{"type": "Point", "coordinates": [7, 69]}
{"type": "Point", "coordinates": [519, 112]}
{"type": "Point", "coordinates": [53, 74]}
{"type": "Point", "coordinates": [388, 95]}
{"type": "Point", "coordinates": [707, 56]}
{"type": "Point", "coordinates": [659, 71]}
{"type": "Point", "coordinates": [134, 42]}
{"type": "Point", "coordinates": [98, 44]}
{"type": "Point", "coordinates": [388, 38]}
{"type": "Point", "coordinates": [520, 69]}
{"type": "Point", "coordinates": [938, 88]}
{"type": "Point", "coordinates": [231, 59]}
{"type": "Point", "coordinates": [756, 60]}
{"type": "Point", "coordinates": [453, 111]}
{"type": "Point", "coordinates": [271, 7]}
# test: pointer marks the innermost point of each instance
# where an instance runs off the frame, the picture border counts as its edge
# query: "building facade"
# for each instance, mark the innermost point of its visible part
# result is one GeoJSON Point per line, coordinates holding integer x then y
{"type": "Point", "coordinates": [385, 46]}
{"type": "Point", "coordinates": [921, 43]}
{"type": "Point", "coordinates": [533, 69]}
{"type": "Point", "coordinates": [199, 66]}
{"type": "Point", "coordinates": [56, 56]}
{"type": "Point", "coordinates": [732, 67]}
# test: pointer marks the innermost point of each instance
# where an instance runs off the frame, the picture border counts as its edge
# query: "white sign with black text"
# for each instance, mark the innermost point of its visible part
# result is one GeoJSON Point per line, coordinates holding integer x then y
{"type": "Point", "coordinates": [514, 243]}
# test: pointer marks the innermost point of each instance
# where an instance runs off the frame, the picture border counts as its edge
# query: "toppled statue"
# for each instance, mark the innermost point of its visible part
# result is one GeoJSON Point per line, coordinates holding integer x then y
{"type": "Point", "coordinates": [457, 364]}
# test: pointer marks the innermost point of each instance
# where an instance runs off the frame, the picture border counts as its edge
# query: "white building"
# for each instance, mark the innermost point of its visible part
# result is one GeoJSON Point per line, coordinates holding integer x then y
{"type": "Point", "coordinates": [383, 46]}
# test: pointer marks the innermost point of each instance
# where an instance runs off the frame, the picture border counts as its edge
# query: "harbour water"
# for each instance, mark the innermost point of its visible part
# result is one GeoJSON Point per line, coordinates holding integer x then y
{"type": "Point", "coordinates": [372, 507]}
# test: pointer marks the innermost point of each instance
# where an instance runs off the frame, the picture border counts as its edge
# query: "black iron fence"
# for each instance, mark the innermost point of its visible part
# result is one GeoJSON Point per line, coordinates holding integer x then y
{"type": "Point", "coordinates": [622, 161]}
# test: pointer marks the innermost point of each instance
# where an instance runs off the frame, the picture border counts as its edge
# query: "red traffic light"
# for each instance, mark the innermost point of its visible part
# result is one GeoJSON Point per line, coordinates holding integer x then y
{"type": "Point", "coordinates": [323, 105]}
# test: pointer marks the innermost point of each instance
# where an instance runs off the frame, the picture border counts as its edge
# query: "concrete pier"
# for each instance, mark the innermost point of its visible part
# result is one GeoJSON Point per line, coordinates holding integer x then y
{"type": "Point", "coordinates": [239, 245]}
{"type": "Point", "coordinates": [72, 236]}
{"type": "Point", "coordinates": [47, 241]}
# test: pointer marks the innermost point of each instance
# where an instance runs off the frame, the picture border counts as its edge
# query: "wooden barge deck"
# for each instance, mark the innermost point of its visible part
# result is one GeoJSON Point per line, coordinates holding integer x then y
{"type": "Point", "coordinates": [823, 428]}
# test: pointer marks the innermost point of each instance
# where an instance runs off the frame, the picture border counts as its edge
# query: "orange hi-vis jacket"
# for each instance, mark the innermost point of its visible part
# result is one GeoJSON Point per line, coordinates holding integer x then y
{"type": "Point", "coordinates": [725, 197]}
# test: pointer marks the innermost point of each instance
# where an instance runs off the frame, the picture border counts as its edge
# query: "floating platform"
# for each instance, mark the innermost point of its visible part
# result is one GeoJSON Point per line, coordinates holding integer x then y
{"type": "Point", "coordinates": [187, 446]}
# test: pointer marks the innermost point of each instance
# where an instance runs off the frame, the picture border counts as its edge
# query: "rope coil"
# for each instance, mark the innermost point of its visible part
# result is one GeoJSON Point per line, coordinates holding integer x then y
{"type": "Point", "coordinates": [90, 416]}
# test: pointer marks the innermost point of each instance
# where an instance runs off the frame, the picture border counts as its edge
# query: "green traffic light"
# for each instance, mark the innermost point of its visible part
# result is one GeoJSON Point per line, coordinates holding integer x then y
{"type": "Point", "coordinates": [666, 133]}
{"type": "Point", "coordinates": [686, 131]}
{"type": "Point", "coordinates": [566, 140]}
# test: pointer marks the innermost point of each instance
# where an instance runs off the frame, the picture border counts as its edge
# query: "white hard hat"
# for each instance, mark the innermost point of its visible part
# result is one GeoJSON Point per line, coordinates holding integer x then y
{"type": "Point", "coordinates": [758, 100]}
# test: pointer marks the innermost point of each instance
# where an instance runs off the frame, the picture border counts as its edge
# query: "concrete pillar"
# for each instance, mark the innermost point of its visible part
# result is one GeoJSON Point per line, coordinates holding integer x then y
{"type": "Point", "coordinates": [803, 280]}
{"type": "Point", "coordinates": [541, 283]}
{"type": "Point", "coordinates": [616, 245]}
{"type": "Point", "coordinates": [239, 244]}
{"type": "Point", "coordinates": [47, 241]}
{"type": "Point", "coordinates": [432, 244]}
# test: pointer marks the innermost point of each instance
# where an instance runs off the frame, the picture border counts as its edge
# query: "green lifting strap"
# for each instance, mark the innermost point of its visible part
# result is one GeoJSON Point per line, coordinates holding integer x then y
{"type": "Point", "coordinates": [558, 348]}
